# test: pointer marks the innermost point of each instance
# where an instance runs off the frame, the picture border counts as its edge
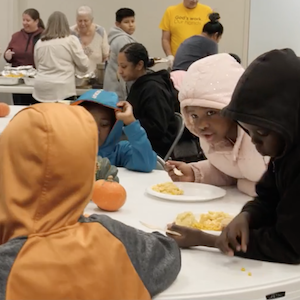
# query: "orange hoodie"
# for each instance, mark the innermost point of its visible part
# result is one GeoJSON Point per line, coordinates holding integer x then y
{"type": "Point", "coordinates": [48, 249]}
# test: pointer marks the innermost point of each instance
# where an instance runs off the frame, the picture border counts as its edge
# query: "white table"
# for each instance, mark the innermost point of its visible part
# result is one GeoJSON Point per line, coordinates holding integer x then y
{"type": "Point", "coordinates": [13, 110]}
{"type": "Point", "coordinates": [25, 89]}
{"type": "Point", "coordinates": [206, 273]}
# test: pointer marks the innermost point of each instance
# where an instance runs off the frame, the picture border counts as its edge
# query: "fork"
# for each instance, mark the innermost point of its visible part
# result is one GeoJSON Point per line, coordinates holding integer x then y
{"type": "Point", "coordinates": [160, 229]}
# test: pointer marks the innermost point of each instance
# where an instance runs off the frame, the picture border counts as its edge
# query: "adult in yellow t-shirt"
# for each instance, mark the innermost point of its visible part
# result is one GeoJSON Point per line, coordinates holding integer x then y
{"type": "Point", "coordinates": [181, 22]}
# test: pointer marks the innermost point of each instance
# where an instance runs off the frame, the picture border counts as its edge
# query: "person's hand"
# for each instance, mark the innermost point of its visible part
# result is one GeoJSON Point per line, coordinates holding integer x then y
{"type": "Point", "coordinates": [235, 236]}
{"type": "Point", "coordinates": [9, 54]}
{"type": "Point", "coordinates": [126, 114]}
{"type": "Point", "coordinates": [170, 59]}
{"type": "Point", "coordinates": [191, 237]}
{"type": "Point", "coordinates": [186, 170]}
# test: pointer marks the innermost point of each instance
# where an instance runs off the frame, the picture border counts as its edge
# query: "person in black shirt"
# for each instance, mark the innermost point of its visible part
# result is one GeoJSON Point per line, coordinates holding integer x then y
{"type": "Point", "coordinates": [152, 96]}
{"type": "Point", "coordinates": [199, 46]}
{"type": "Point", "coordinates": [266, 103]}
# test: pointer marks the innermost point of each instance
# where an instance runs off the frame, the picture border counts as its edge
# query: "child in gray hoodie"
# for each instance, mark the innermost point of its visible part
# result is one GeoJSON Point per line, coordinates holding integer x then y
{"type": "Point", "coordinates": [119, 36]}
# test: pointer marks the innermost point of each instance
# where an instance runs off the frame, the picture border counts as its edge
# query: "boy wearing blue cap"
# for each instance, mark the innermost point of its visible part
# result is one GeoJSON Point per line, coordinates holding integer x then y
{"type": "Point", "coordinates": [112, 118]}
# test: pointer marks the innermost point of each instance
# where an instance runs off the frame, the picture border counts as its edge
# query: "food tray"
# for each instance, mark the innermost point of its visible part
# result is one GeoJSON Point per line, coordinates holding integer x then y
{"type": "Point", "coordinates": [9, 80]}
{"type": "Point", "coordinates": [84, 80]}
{"type": "Point", "coordinates": [29, 81]}
{"type": "Point", "coordinates": [79, 82]}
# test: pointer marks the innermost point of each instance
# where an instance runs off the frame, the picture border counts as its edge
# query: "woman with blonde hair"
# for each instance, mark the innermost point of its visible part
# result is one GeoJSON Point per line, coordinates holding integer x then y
{"type": "Point", "coordinates": [92, 37]}
{"type": "Point", "coordinates": [58, 55]}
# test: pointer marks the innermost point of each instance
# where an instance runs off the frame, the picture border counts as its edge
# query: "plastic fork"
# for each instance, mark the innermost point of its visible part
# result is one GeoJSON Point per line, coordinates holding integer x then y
{"type": "Point", "coordinates": [160, 229]}
{"type": "Point", "coordinates": [177, 172]}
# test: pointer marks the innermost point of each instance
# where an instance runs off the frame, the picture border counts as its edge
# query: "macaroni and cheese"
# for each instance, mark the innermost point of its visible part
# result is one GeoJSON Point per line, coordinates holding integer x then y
{"type": "Point", "coordinates": [167, 188]}
{"type": "Point", "coordinates": [214, 221]}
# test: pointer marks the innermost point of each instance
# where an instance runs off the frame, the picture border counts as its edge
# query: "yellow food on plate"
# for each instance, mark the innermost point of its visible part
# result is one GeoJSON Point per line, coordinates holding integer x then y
{"type": "Point", "coordinates": [167, 188]}
{"type": "Point", "coordinates": [186, 219]}
{"type": "Point", "coordinates": [14, 75]}
{"type": "Point", "coordinates": [213, 221]}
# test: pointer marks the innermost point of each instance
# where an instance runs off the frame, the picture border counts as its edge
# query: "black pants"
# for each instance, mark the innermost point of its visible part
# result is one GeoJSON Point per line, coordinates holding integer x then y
{"type": "Point", "coordinates": [72, 98]}
{"type": "Point", "coordinates": [24, 99]}
{"type": "Point", "coordinates": [27, 99]}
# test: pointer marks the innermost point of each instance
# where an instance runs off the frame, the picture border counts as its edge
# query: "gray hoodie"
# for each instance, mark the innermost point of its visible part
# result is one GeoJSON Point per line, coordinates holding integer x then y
{"type": "Point", "coordinates": [117, 38]}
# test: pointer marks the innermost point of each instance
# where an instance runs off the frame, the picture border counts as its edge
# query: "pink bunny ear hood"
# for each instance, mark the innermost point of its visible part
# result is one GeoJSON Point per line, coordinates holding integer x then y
{"type": "Point", "coordinates": [177, 78]}
{"type": "Point", "coordinates": [209, 82]}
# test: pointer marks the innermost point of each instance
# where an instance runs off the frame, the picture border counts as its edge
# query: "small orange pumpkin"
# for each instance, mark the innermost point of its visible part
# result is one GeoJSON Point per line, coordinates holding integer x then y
{"type": "Point", "coordinates": [4, 109]}
{"type": "Point", "coordinates": [108, 195]}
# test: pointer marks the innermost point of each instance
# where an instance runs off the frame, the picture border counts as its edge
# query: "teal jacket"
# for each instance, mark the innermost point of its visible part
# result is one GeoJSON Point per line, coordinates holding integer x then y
{"type": "Point", "coordinates": [136, 153]}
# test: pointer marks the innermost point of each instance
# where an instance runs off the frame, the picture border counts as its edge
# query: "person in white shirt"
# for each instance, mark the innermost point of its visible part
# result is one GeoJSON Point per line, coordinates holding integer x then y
{"type": "Point", "coordinates": [93, 37]}
{"type": "Point", "coordinates": [58, 56]}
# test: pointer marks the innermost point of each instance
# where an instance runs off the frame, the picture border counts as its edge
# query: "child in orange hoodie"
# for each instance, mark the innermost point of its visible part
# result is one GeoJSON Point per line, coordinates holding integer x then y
{"type": "Point", "coordinates": [48, 249]}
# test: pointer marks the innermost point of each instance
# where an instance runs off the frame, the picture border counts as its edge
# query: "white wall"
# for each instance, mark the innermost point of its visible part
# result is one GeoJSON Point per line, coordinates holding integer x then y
{"type": "Point", "coordinates": [249, 32]}
{"type": "Point", "coordinates": [8, 23]}
{"type": "Point", "coordinates": [273, 24]}
{"type": "Point", "coordinates": [234, 14]}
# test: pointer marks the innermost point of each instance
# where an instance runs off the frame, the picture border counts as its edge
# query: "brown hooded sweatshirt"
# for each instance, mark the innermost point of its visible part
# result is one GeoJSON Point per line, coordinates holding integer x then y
{"type": "Point", "coordinates": [48, 249]}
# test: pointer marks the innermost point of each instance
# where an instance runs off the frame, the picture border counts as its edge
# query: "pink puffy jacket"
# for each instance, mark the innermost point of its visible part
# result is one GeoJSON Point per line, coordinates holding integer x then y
{"type": "Point", "coordinates": [210, 82]}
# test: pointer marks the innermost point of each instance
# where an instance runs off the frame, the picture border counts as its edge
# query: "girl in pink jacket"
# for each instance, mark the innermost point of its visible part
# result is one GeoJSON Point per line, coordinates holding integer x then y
{"type": "Point", "coordinates": [231, 157]}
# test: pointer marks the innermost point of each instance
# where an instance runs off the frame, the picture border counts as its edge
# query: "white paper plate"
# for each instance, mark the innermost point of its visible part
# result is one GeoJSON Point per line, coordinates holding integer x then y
{"type": "Point", "coordinates": [193, 192]}
{"type": "Point", "coordinates": [162, 60]}
{"type": "Point", "coordinates": [214, 232]}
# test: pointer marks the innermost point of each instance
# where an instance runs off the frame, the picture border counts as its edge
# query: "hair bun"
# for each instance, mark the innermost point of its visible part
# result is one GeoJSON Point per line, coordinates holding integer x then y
{"type": "Point", "coordinates": [151, 63]}
{"type": "Point", "coordinates": [214, 17]}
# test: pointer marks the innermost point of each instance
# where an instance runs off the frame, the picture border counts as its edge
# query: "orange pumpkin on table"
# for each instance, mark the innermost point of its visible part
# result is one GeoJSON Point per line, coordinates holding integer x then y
{"type": "Point", "coordinates": [4, 109]}
{"type": "Point", "coordinates": [108, 195]}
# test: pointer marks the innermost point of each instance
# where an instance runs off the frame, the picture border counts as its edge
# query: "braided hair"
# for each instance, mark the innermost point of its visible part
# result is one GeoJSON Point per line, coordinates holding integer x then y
{"type": "Point", "coordinates": [136, 52]}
